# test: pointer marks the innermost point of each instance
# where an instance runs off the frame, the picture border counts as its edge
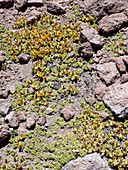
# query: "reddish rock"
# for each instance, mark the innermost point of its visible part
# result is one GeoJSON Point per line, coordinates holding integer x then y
{"type": "Point", "coordinates": [67, 113]}
{"type": "Point", "coordinates": [111, 23]}
{"type": "Point", "coordinates": [108, 72]}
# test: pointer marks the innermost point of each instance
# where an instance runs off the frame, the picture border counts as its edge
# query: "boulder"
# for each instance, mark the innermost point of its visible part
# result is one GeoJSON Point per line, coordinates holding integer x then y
{"type": "Point", "coordinates": [4, 108]}
{"type": "Point", "coordinates": [101, 8]}
{"type": "Point", "coordinates": [12, 120]}
{"type": "Point", "coordinates": [91, 35]}
{"type": "Point", "coordinates": [116, 99]}
{"type": "Point", "coordinates": [85, 50]}
{"type": "Point", "coordinates": [4, 134]}
{"type": "Point", "coordinates": [112, 23]}
{"type": "Point", "coordinates": [19, 4]}
{"type": "Point", "coordinates": [89, 162]}
{"type": "Point", "coordinates": [55, 8]}
{"type": "Point", "coordinates": [108, 72]}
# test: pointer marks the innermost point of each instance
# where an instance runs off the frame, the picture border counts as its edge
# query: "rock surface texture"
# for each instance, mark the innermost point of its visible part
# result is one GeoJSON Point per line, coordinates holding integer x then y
{"type": "Point", "coordinates": [116, 99]}
{"type": "Point", "coordinates": [89, 162]}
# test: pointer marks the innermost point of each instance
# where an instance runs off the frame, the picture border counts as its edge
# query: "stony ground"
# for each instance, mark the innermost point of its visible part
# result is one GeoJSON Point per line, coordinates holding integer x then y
{"type": "Point", "coordinates": [74, 101]}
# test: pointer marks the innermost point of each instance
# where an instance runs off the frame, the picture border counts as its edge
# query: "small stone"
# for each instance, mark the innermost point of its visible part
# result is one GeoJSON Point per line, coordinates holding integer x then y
{"type": "Point", "coordinates": [31, 90]}
{"type": "Point", "coordinates": [12, 89]}
{"type": "Point", "coordinates": [120, 65]}
{"type": "Point", "coordinates": [55, 8]}
{"type": "Point", "coordinates": [41, 121]}
{"type": "Point", "coordinates": [19, 4]}
{"type": "Point", "coordinates": [85, 50]}
{"type": "Point", "coordinates": [4, 94]}
{"type": "Point", "coordinates": [67, 113]}
{"type": "Point", "coordinates": [49, 111]}
{"type": "Point", "coordinates": [12, 120]}
{"type": "Point", "coordinates": [24, 58]}
{"type": "Point", "coordinates": [20, 116]}
{"type": "Point", "coordinates": [99, 90]}
{"type": "Point", "coordinates": [124, 78]}
{"type": "Point", "coordinates": [30, 123]}
{"type": "Point", "coordinates": [104, 115]}
{"type": "Point", "coordinates": [4, 108]}
{"type": "Point", "coordinates": [4, 134]}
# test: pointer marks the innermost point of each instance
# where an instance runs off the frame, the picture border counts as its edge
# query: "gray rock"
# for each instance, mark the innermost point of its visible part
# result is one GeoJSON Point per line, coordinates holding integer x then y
{"type": "Point", "coordinates": [4, 108]}
{"type": "Point", "coordinates": [112, 23]}
{"type": "Point", "coordinates": [108, 72]}
{"type": "Point", "coordinates": [55, 8]}
{"type": "Point", "coordinates": [4, 134]}
{"type": "Point", "coordinates": [100, 8]}
{"type": "Point", "coordinates": [4, 94]}
{"type": "Point", "coordinates": [91, 35]}
{"type": "Point", "coordinates": [2, 59]}
{"type": "Point", "coordinates": [124, 78]}
{"type": "Point", "coordinates": [12, 120]}
{"type": "Point", "coordinates": [85, 50]}
{"type": "Point", "coordinates": [67, 113]}
{"type": "Point", "coordinates": [41, 121]}
{"type": "Point", "coordinates": [24, 58]}
{"type": "Point", "coordinates": [100, 90]}
{"type": "Point", "coordinates": [49, 111]}
{"type": "Point", "coordinates": [6, 3]}
{"type": "Point", "coordinates": [21, 116]}
{"type": "Point", "coordinates": [30, 123]}
{"type": "Point", "coordinates": [89, 162]}
{"type": "Point", "coordinates": [35, 2]}
{"type": "Point", "coordinates": [20, 4]}
{"type": "Point", "coordinates": [116, 99]}
{"type": "Point", "coordinates": [120, 65]}
{"type": "Point", "coordinates": [104, 115]}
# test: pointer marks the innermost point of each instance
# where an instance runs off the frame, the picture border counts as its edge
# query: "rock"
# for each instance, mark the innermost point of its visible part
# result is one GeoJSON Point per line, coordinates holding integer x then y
{"type": "Point", "coordinates": [6, 3]}
{"type": "Point", "coordinates": [35, 3]}
{"type": "Point", "coordinates": [4, 94]}
{"type": "Point", "coordinates": [112, 23]}
{"type": "Point", "coordinates": [20, 116]}
{"type": "Point", "coordinates": [104, 115]}
{"type": "Point", "coordinates": [4, 108]}
{"type": "Point", "coordinates": [85, 50]}
{"type": "Point", "coordinates": [101, 8]}
{"type": "Point", "coordinates": [41, 121]}
{"type": "Point", "coordinates": [120, 65]}
{"type": "Point", "coordinates": [30, 123]}
{"type": "Point", "coordinates": [12, 89]}
{"type": "Point", "coordinates": [89, 162]}
{"type": "Point", "coordinates": [91, 35]}
{"type": "Point", "coordinates": [24, 58]}
{"type": "Point", "coordinates": [55, 8]}
{"type": "Point", "coordinates": [19, 4]}
{"type": "Point", "coordinates": [116, 99]}
{"type": "Point", "coordinates": [49, 111]}
{"type": "Point", "coordinates": [67, 113]}
{"type": "Point", "coordinates": [12, 120]}
{"type": "Point", "coordinates": [31, 90]}
{"type": "Point", "coordinates": [108, 72]}
{"type": "Point", "coordinates": [4, 134]}
{"type": "Point", "coordinates": [99, 90]}
{"type": "Point", "coordinates": [124, 78]}
{"type": "Point", "coordinates": [125, 60]}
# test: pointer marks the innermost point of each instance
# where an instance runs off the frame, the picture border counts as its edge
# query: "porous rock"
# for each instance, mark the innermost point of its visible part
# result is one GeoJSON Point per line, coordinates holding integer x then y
{"type": "Point", "coordinates": [116, 99]}
{"type": "Point", "coordinates": [67, 113]}
{"type": "Point", "coordinates": [55, 8]}
{"type": "Point", "coordinates": [12, 120]}
{"type": "Point", "coordinates": [85, 50]}
{"type": "Point", "coordinates": [89, 162]}
{"type": "Point", "coordinates": [4, 108]}
{"type": "Point", "coordinates": [92, 36]}
{"type": "Point", "coordinates": [20, 4]}
{"type": "Point", "coordinates": [108, 72]}
{"type": "Point", "coordinates": [112, 23]}
{"type": "Point", "coordinates": [100, 8]}
{"type": "Point", "coordinates": [4, 134]}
